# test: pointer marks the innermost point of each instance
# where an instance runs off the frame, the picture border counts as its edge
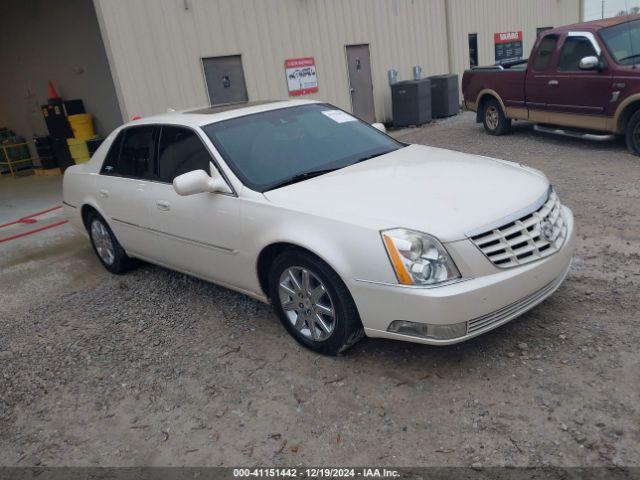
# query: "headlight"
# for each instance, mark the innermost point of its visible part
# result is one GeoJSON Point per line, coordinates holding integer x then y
{"type": "Point", "coordinates": [418, 258]}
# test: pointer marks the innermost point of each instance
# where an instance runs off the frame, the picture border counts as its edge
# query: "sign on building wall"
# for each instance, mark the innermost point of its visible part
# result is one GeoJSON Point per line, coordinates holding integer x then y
{"type": "Point", "coordinates": [301, 75]}
{"type": "Point", "coordinates": [508, 46]}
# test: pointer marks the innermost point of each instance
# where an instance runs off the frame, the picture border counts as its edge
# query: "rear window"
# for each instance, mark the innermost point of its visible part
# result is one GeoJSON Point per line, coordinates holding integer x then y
{"type": "Point", "coordinates": [545, 52]}
{"type": "Point", "coordinates": [111, 160]}
{"type": "Point", "coordinates": [137, 153]}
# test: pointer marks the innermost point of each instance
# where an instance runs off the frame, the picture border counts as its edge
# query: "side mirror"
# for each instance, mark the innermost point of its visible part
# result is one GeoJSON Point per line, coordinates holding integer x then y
{"type": "Point", "coordinates": [379, 126]}
{"type": "Point", "coordinates": [590, 63]}
{"type": "Point", "coordinates": [198, 181]}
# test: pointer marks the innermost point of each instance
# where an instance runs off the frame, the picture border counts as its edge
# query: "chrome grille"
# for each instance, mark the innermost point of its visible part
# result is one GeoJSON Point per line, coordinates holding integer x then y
{"type": "Point", "coordinates": [534, 236]}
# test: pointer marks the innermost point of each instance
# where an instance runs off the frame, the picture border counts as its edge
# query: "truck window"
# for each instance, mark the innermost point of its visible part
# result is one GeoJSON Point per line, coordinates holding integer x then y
{"type": "Point", "coordinates": [545, 52]}
{"type": "Point", "coordinates": [574, 50]}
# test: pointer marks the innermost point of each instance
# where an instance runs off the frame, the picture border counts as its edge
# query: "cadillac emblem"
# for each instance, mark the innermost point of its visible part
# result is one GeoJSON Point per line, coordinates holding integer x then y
{"type": "Point", "coordinates": [546, 230]}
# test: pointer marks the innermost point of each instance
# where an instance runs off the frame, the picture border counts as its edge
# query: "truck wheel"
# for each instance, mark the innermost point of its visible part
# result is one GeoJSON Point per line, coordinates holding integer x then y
{"type": "Point", "coordinates": [632, 134]}
{"type": "Point", "coordinates": [493, 119]}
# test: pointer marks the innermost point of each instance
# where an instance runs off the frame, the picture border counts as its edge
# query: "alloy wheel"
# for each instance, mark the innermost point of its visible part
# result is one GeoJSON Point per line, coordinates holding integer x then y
{"type": "Point", "coordinates": [102, 241]}
{"type": "Point", "coordinates": [307, 303]}
{"type": "Point", "coordinates": [492, 117]}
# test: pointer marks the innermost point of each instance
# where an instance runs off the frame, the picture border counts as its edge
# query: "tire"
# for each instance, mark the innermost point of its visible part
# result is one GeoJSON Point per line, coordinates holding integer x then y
{"type": "Point", "coordinates": [326, 334]}
{"type": "Point", "coordinates": [493, 118]}
{"type": "Point", "coordinates": [632, 134]}
{"type": "Point", "coordinates": [106, 246]}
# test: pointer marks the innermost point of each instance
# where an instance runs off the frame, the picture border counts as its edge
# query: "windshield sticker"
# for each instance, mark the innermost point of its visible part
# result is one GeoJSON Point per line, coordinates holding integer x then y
{"type": "Point", "coordinates": [339, 116]}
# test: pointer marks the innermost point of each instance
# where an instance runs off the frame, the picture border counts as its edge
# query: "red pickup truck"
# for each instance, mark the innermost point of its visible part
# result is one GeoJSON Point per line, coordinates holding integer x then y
{"type": "Point", "coordinates": [580, 80]}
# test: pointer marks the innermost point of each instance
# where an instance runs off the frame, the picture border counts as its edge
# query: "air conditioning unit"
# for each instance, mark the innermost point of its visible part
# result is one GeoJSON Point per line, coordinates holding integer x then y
{"type": "Point", "coordinates": [411, 101]}
{"type": "Point", "coordinates": [445, 99]}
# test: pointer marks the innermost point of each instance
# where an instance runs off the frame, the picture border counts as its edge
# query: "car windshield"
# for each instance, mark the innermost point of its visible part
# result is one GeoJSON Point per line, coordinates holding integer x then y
{"type": "Point", "coordinates": [623, 42]}
{"type": "Point", "coordinates": [278, 147]}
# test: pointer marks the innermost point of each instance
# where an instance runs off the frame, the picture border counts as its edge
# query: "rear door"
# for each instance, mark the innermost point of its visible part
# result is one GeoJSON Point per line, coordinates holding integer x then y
{"type": "Point", "coordinates": [123, 187]}
{"type": "Point", "coordinates": [199, 233]}
{"type": "Point", "coordinates": [539, 70]}
{"type": "Point", "coordinates": [573, 91]}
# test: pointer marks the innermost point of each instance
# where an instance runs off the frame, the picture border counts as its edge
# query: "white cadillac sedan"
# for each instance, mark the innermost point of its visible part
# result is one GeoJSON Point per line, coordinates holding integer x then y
{"type": "Point", "coordinates": [346, 231]}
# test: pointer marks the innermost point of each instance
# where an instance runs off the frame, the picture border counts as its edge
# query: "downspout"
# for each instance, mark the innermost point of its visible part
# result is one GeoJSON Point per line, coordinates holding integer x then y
{"type": "Point", "coordinates": [447, 14]}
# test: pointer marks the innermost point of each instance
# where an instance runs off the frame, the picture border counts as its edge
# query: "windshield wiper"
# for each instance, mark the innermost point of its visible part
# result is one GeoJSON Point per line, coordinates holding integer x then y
{"type": "Point", "coordinates": [636, 55]}
{"type": "Point", "coordinates": [302, 176]}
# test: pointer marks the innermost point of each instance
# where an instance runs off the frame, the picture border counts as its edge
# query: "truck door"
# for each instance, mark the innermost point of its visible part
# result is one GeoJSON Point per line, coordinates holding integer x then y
{"type": "Point", "coordinates": [576, 92]}
{"type": "Point", "coordinates": [539, 70]}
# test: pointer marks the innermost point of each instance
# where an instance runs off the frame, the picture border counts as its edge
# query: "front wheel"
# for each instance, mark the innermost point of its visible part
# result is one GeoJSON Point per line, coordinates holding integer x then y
{"type": "Point", "coordinates": [313, 303]}
{"type": "Point", "coordinates": [493, 118]}
{"type": "Point", "coordinates": [632, 134]}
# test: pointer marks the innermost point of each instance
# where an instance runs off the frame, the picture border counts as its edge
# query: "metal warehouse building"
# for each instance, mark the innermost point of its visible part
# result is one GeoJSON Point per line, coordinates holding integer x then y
{"type": "Point", "coordinates": [126, 57]}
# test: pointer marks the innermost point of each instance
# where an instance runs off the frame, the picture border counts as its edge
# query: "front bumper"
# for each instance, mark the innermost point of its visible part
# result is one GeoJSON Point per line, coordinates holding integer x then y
{"type": "Point", "coordinates": [484, 303]}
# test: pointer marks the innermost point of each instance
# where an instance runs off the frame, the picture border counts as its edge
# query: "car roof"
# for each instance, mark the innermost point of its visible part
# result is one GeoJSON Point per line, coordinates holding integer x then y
{"type": "Point", "coordinates": [206, 115]}
{"type": "Point", "coordinates": [594, 25]}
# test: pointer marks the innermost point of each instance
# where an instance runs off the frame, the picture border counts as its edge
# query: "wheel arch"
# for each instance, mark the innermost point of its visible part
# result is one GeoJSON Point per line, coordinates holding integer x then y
{"type": "Point", "coordinates": [88, 205]}
{"type": "Point", "coordinates": [270, 252]}
{"type": "Point", "coordinates": [625, 111]}
{"type": "Point", "coordinates": [483, 97]}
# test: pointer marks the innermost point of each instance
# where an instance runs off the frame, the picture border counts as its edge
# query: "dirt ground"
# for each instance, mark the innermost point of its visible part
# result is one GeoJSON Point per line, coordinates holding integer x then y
{"type": "Point", "coordinates": [156, 368]}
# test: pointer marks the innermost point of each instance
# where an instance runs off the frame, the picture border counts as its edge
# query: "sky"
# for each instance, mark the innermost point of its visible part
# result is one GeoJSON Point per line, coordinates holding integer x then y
{"type": "Point", "coordinates": [593, 8]}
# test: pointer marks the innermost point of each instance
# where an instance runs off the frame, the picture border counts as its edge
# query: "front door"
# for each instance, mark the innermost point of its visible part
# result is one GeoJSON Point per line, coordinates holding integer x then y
{"type": "Point", "coordinates": [225, 79]}
{"type": "Point", "coordinates": [199, 233]}
{"type": "Point", "coordinates": [573, 91]}
{"type": "Point", "coordinates": [360, 83]}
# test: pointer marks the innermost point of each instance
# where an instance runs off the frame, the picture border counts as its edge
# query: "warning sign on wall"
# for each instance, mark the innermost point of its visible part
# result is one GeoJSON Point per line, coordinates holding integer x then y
{"type": "Point", "coordinates": [301, 75]}
{"type": "Point", "coordinates": [508, 46]}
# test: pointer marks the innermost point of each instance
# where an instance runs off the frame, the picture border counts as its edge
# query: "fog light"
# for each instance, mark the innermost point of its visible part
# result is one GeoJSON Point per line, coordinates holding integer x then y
{"type": "Point", "coordinates": [426, 330]}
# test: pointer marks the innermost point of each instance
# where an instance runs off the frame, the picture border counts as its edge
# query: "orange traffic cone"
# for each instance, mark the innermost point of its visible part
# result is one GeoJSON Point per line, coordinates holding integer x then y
{"type": "Point", "coordinates": [52, 92]}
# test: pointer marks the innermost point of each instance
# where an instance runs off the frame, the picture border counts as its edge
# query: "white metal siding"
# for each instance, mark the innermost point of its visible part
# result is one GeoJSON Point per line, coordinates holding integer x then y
{"type": "Point", "coordinates": [155, 46]}
{"type": "Point", "coordinates": [486, 17]}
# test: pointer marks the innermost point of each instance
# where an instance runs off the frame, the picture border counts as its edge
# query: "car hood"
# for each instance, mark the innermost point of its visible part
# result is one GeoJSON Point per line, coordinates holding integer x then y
{"type": "Point", "coordinates": [441, 192]}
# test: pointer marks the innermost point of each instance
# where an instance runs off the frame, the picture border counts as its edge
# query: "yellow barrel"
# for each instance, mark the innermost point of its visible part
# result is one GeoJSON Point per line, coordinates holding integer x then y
{"type": "Point", "coordinates": [78, 149]}
{"type": "Point", "coordinates": [82, 126]}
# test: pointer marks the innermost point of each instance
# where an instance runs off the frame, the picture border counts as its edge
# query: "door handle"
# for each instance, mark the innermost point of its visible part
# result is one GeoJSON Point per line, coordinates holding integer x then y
{"type": "Point", "coordinates": [163, 205]}
{"type": "Point", "coordinates": [103, 193]}
{"type": "Point", "coordinates": [554, 83]}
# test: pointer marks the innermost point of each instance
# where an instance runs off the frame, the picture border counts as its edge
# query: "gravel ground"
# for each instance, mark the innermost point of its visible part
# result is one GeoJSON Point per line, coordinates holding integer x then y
{"type": "Point", "coordinates": [156, 368]}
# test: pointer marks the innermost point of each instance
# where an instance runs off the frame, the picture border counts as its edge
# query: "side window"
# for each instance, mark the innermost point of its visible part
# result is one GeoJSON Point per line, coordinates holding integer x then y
{"type": "Point", "coordinates": [574, 50]}
{"type": "Point", "coordinates": [181, 151]}
{"type": "Point", "coordinates": [111, 160]}
{"type": "Point", "coordinates": [137, 153]}
{"type": "Point", "coordinates": [545, 52]}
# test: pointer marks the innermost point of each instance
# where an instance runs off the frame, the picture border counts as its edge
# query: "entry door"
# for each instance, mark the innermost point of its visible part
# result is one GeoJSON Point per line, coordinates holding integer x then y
{"type": "Point", "coordinates": [360, 83]}
{"type": "Point", "coordinates": [225, 79]}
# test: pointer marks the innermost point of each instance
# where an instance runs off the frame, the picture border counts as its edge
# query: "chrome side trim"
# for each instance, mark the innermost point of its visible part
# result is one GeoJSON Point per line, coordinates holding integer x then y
{"type": "Point", "coordinates": [514, 216]}
{"type": "Point", "coordinates": [191, 241]}
{"type": "Point", "coordinates": [420, 287]}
